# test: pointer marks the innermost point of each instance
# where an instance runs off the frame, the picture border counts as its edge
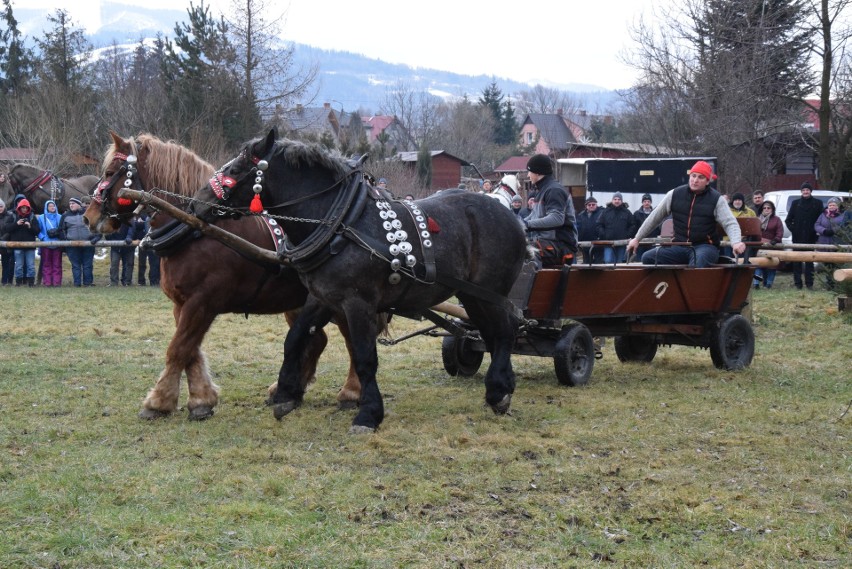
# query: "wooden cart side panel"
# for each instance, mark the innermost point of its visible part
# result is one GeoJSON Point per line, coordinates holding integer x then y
{"type": "Point", "coordinates": [636, 291]}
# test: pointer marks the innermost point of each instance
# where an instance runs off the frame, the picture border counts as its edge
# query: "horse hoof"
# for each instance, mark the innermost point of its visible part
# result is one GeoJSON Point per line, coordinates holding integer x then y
{"type": "Point", "coordinates": [502, 407]}
{"type": "Point", "coordinates": [152, 414]}
{"type": "Point", "coordinates": [200, 413]}
{"type": "Point", "coordinates": [361, 430]}
{"type": "Point", "coordinates": [346, 405]}
{"type": "Point", "coordinates": [281, 409]}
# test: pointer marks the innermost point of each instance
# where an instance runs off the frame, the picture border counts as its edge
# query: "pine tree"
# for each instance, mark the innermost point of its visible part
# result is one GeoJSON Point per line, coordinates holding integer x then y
{"type": "Point", "coordinates": [16, 61]}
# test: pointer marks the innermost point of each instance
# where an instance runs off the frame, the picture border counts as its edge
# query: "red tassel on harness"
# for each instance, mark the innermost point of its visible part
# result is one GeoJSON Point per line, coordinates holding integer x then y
{"type": "Point", "coordinates": [125, 202]}
{"type": "Point", "coordinates": [433, 225]}
{"type": "Point", "coordinates": [256, 206]}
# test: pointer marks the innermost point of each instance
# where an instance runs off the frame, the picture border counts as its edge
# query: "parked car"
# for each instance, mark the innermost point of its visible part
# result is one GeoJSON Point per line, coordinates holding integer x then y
{"type": "Point", "coordinates": [783, 199]}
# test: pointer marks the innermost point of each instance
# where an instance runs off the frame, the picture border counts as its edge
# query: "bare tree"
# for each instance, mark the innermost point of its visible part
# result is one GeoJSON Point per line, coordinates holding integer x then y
{"type": "Point", "coordinates": [830, 44]}
{"type": "Point", "coordinates": [415, 110]}
{"type": "Point", "coordinates": [466, 130]}
{"type": "Point", "coordinates": [541, 99]}
{"type": "Point", "coordinates": [266, 65]}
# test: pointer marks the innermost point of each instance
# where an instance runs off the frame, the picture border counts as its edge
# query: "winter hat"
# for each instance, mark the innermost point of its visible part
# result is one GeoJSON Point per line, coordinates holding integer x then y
{"type": "Point", "coordinates": [591, 200]}
{"type": "Point", "coordinates": [807, 185]}
{"type": "Point", "coordinates": [23, 203]}
{"type": "Point", "coordinates": [510, 181]}
{"type": "Point", "coordinates": [834, 200]}
{"type": "Point", "coordinates": [518, 199]}
{"type": "Point", "coordinates": [76, 201]}
{"type": "Point", "coordinates": [647, 197]}
{"type": "Point", "coordinates": [737, 196]}
{"type": "Point", "coordinates": [382, 181]}
{"type": "Point", "coordinates": [703, 168]}
{"type": "Point", "coordinates": [540, 164]}
{"type": "Point", "coordinates": [617, 195]}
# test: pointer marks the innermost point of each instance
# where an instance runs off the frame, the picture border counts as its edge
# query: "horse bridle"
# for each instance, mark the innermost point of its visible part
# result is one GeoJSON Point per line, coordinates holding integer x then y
{"type": "Point", "coordinates": [38, 183]}
{"type": "Point", "coordinates": [128, 171]}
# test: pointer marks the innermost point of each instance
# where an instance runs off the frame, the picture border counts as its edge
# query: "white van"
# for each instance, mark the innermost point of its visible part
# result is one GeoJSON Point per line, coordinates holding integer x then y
{"type": "Point", "coordinates": [783, 199]}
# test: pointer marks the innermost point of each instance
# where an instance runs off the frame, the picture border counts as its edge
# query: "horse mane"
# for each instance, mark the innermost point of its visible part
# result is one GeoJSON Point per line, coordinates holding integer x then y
{"type": "Point", "coordinates": [297, 154]}
{"type": "Point", "coordinates": [169, 165]}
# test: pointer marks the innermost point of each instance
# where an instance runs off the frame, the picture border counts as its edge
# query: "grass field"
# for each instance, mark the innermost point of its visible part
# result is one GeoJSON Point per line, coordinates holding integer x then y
{"type": "Point", "coordinates": [672, 464]}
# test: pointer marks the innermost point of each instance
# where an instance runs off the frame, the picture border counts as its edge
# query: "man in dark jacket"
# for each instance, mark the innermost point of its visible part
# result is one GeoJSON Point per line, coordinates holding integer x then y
{"type": "Point", "coordinates": [587, 230]}
{"type": "Point", "coordinates": [615, 223]}
{"type": "Point", "coordinates": [72, 227]}
{"type": "Point", "coordinates": [800, 221]}
{"type": "Point", "coordinates": [124, 256]}
{"type": "Point", "coordinates": [552, 224]}
{"type": "Point", "coordinates": [695, 208]}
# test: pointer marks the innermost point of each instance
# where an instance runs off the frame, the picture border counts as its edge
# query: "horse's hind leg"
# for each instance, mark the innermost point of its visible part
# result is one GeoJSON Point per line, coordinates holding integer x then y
{"type": "Point", "coordinates": [498, 328]}
{"type": "Point", "coordinates": [350, 393]}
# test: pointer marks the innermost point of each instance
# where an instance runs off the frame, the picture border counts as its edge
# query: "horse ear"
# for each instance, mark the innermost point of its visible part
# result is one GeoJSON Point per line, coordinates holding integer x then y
{"type": "Point", "coordinates": [269, 142]}
{"type": "Point", "coordinates": [117, 140]}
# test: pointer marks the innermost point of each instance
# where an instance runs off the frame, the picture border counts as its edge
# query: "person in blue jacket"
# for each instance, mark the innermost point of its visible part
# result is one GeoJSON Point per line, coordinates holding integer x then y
{"type": "Point", "coordinates": [51, 256]}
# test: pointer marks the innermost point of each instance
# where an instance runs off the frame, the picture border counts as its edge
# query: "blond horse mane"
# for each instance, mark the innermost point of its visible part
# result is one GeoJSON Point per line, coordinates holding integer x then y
{"type": "Point", "coordinates": [168, 165]}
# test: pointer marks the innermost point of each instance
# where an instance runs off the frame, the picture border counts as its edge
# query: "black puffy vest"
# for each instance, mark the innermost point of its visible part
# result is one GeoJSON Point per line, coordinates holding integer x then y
{"type": "Point", "coordinates": [694, 215]}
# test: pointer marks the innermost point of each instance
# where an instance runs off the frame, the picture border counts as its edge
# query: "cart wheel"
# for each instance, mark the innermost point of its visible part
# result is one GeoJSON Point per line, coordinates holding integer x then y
{"type": "Point", "coordinates": [635, 348]}
{"type": "Point", "coordinates": [459, 358]}
{"type": "Point", "coordinates": [732, 343]}
{"type": "Point", "coordinates": [574, 355]}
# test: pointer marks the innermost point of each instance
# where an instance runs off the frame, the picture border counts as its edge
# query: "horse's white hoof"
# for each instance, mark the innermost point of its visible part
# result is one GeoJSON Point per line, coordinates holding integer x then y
{"type": "Point", "coordinates": [201, 412]}
{"type": "Point", "coordinates": [502, 407]}
{"type": "Point", "coordinates": [361, 430]}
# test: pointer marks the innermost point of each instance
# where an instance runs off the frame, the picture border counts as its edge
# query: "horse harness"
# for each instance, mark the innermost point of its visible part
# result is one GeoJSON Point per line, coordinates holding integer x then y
{"type": "Point", "coordinates": [57, 186]}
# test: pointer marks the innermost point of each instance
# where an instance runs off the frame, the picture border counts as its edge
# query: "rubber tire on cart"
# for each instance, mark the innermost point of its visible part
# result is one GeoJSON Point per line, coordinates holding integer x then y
{"type": "Point", "coordinates": [459, 358]}
{"type": "Point", "coordinates": [574, 355]}
{"type": "Point", "coordinates": [732, 343]}
{"type": "Point", "coordinates": [635, 348]}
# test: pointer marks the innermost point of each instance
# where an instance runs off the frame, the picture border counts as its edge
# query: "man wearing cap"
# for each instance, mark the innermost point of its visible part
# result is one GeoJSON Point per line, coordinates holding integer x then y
{"type": "Point", "coordinates": [552, 224]}
{"type": "Point", "coordinates": [517, 205]}
{"type": "Point", "coordinates": [639, 217]}
{"type": "Point", "coordinates": [587, 230]}
{"type": "Point", "coordinates": [800, 221]}
{"type": "Point", "coordinates": [756, 204]}
{"type": "Point", "coordinates": [695, 208]}
{"type": "Point", "coordinates": [72, 227]}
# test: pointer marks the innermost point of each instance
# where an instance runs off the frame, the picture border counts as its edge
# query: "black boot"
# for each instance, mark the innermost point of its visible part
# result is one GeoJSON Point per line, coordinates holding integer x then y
{"type": "Point", "coordinates": [31, 281]}
{"type": "Point", "coordinates": [19, 282]}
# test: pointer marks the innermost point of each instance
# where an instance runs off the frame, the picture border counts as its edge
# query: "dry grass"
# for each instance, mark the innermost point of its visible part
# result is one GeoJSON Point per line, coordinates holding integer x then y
{"type": "Point", "coordinates": [673, 464]}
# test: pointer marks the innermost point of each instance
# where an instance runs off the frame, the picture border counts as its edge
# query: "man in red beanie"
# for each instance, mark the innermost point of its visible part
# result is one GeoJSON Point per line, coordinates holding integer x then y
{"type": "Point", "coordinates": [695, 208]}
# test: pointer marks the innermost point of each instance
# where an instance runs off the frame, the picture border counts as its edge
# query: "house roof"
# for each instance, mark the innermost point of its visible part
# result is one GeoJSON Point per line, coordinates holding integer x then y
{"type": "Point", "coordinates": [513, 164]}
{"type": "Point", "coordinates": [552, 129]}
{"type": "Point", "coordinates": [412, 156]}
{"type": "Point", "coordinates": [310, 118]}
{"type": "Point", "coordinates": [376, 124]}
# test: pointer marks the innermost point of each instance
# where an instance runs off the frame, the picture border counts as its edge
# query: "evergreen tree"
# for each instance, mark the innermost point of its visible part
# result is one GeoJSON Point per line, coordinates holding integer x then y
{"type": "Point", "coordinates": [63, 53]}
{"type": "Point", "coordinates": [16, 61]}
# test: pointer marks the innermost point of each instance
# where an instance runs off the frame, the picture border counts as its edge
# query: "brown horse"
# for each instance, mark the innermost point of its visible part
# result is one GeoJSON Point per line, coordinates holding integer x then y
{"type": "Point", "coordinates": [39, 186]}
{"type": "Point", "coordinates": [201, 276]}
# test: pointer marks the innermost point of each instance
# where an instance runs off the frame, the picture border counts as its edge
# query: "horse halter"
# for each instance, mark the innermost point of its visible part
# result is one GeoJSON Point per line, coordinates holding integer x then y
{"type": "Point", "coordinates": [127, 171]}
{"type": "Point", "coordinates": [222, 184]}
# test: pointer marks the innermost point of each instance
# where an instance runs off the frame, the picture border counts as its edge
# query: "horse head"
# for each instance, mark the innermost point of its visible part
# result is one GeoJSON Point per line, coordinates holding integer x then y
{"type": "Point", "coordinates": [143, 163]}
{"type": "Point", "coordinates": [283, 177]}
{"type": "Point", "coordinates": [108, 210]}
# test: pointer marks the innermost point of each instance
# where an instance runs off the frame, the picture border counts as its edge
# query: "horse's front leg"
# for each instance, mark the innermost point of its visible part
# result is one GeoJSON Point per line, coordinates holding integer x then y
{"type": "Point", "coordinates": [310, 357]}
{"type": "Point", "coordinates": [363, 331]}
{"type": "Point", "coordinates": [291, 390]}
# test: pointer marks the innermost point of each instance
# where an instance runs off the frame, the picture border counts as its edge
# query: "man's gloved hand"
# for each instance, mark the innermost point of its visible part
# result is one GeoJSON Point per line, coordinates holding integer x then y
{"type": "Point", "coordinates": [128, 240]}
{"type": "Point", "coordinates": [95, 238]}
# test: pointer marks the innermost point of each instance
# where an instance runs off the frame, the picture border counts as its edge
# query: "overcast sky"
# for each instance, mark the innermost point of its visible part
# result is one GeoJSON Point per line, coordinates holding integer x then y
{"type": "Point", "coordinates": [550, 42]}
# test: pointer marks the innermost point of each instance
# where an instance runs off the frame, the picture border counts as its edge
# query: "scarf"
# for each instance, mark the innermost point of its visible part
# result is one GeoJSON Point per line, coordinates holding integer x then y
{"type": "Point", "coordinates": [764, 221]}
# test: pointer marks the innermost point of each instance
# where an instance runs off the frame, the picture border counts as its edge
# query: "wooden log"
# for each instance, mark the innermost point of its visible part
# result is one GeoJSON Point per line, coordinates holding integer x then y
{"type": "Point", "coordinates": [238, 244]}
{"type": "Point", "coordinates": [841, 275]}
{"type": "Point", "coordinates": [452, 309]}
{"type": "Point", "coordinates": [762, 262]}
{"type": "Point", "coordinates": [807, 256]}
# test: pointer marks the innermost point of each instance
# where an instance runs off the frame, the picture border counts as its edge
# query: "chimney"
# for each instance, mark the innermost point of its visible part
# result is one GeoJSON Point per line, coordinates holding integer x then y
{"type": "Point", "coordinates": [326, 105]}
{"type": "Point", "coordinates": [559, 112]}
